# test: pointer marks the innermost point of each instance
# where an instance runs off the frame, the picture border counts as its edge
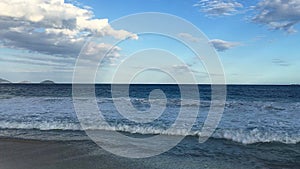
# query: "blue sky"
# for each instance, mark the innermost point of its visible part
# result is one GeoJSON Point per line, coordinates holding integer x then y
{"type": "Point", "coordinates": [257, 41]}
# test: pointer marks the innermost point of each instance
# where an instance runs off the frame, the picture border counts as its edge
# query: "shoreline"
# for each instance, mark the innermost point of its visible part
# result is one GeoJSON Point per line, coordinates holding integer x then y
{"type": "Point", "coordinates": [214, 154]}
{"type": "Point", "coordinates": [36, 154]}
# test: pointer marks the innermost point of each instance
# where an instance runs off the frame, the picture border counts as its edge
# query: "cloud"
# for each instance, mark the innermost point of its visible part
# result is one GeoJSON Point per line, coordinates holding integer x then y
{"type": "Point", "coordinates": [218, 7]}
{"type": "Point", "coordinates": [278, 14]}
{"type": "Point", "coordinates": [221, 45]}
{"type": "Point", "coordinates": [280, 62]}
{"type": "Point", "coordinates": [181, 68]}
{"type": "Point", "coordinates": [101, 51]}
{"type": "Point", "coordinates": [184, 68]}
{"type": "Point", "coordinates": [188, 37]}
{"type": "Point", "coordinates": [51, 27]}
{"type": "Point", "coordinates": [31, 62]}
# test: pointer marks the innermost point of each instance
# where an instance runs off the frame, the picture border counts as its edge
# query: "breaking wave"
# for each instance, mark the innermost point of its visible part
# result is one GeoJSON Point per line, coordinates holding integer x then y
{"type": "Point", "coordinates": [245, 136]}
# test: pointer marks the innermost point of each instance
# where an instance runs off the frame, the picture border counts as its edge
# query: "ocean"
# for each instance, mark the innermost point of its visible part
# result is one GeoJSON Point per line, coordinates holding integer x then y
{"type": "Point", "coordinates": [260, 126]}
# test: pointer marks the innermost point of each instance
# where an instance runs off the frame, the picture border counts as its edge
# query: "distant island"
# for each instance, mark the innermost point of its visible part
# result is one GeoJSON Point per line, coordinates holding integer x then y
{"type": "Point", "coordinates": [47, 82]}
{"type": "Point", "coordinates": [3, 81]}
{"type": "Point", "coordinates": [25, 82]}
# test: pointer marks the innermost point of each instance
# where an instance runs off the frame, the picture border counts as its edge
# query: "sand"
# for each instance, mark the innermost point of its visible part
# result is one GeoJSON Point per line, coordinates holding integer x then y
{"type": "Point", "coordinates": [28, 154]}
{"type": "Point", "coordinates": [215, 154]}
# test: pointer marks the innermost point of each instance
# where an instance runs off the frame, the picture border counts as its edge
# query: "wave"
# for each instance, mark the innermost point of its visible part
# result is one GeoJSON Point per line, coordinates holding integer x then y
{"type": "Point", "coordinates": [256, 136]}
{"type": "Point", "coordinates": [244, 136]}
{"type": "Point", "coordinates": [43, 126]}
{"type": "Point", "coordinates": [57, 113]}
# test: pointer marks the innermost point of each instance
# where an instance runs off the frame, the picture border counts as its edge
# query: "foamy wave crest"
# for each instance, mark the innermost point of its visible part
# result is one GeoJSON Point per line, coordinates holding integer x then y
{"type": "Point", "coordinates": [40, 126]}
{"type": "Point", "coordinates": [237, 135]}
{"type": "Point", "coordinates": [256, 136]}
{"type": "Point", "coordinates": [159, 102]}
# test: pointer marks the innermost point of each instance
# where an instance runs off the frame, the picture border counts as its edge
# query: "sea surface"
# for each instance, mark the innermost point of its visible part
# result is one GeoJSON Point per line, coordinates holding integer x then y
{"type": "Point", "coordinates": [260, 126]}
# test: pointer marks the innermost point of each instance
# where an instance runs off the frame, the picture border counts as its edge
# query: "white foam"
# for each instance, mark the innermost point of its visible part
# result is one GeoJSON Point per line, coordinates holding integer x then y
{"type": "Point", "coordinates": [241, 136]}
{"type": "Point", "coordinates": [257, 136]}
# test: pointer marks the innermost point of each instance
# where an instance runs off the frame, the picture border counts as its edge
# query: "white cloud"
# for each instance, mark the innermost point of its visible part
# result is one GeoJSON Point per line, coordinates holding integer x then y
{"type": "Point", "coordinates": [184, 69]}
{"type": "Point", "coordinates": [51, 26]}
{"type": "Point", "coordinates": [280, 62]}
{"type": "Point", "coordinates": [221, 45]}
{"type": "Point", "coordinates": [278, 14]}
{"type": "Point", "coordinates": [188, 37]}
{"type": "Point", "coordinates": [181, 67]}
{"type": "Point", "coordinates": [218, 7]}
{"type": "Point", "coordinates": [94, 51]}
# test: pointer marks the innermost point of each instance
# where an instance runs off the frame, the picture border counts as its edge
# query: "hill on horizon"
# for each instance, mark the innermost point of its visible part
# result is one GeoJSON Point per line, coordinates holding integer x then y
{"type": "Point", "coordinates": [4, 81]}
{"type": "Point", "coordinates": [47, 82]}
{"type": "Point", "coordinates": [25, 82]}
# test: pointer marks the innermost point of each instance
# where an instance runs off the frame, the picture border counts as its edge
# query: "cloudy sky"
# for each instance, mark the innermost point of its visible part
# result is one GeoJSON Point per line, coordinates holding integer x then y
{"type": "Point", "coordinates": [257, 41]}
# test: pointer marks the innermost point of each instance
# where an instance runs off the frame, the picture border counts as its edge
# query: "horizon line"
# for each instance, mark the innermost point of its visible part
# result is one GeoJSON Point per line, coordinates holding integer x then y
{"type": "Point", "coordinates": [106, 83]}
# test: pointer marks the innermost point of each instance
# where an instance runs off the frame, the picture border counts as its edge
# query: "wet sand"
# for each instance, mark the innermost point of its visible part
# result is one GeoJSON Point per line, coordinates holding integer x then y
{"type": "Point", "coordinates": [28, 154]}
{"type": "Point", "coordinates": [215, 154]}
{"type": "Point", "coordinates": [31, 154]}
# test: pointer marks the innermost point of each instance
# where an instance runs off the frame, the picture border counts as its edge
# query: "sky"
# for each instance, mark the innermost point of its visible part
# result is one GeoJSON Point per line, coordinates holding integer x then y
{"type": "Point", "coordinates": [256, 41]}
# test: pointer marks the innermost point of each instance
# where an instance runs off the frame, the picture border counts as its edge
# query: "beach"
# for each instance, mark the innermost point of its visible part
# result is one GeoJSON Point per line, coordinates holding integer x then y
{"type": "Point", "coordinates": [21, 154]}
{"type": "Point", "coordinates": [215, 154]}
